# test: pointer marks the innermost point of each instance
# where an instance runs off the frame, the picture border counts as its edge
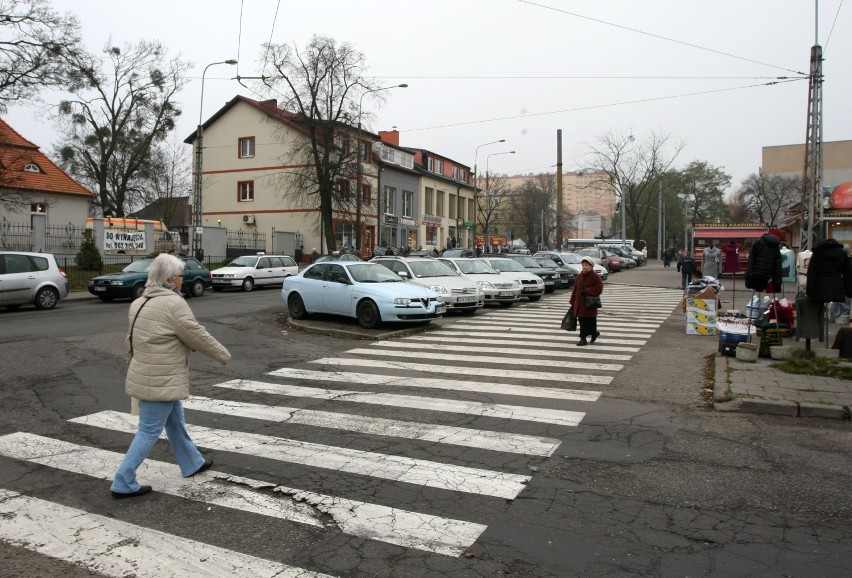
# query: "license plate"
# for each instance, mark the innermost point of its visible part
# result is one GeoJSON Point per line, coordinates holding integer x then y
{"type": "Point", "coordinates": [466, 299]}
{"type": "Point", "coordinates": [530, 289]}
{"type": "Point", "coordinates": [100, 288]}
{"type": "Point", "coordinates": [441, 309]}
{"type": "Point", "coordinates": [505, 294]}
{"type": "Point", "coordinates": [549, 282]}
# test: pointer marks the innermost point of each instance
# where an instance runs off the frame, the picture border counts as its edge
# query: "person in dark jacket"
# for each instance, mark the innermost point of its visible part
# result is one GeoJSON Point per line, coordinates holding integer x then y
{"type": "Point", "coordinates": [686, 266]}
{"type": "Point", "coordinates": [829, 273]}
{"type": "Point", "coordinates": [764, 264]}
{"type": "Point", "coordinates": [588, 283]}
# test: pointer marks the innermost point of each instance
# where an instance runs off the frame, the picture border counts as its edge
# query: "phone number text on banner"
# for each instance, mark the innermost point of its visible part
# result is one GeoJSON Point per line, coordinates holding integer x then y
{"type": "Point", "coordinates": [118, 240]}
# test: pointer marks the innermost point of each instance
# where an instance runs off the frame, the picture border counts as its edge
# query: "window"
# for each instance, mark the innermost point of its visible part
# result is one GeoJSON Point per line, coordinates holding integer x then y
{"type": "Point", "coordinates": [247, 147]}
{"type": "Point", "coordinates": [431, 235]}
{"type": "Point", "coordinates": [38, 208]}
{"type": "Point", "coordinates": [429, 164]}
{"type": "Point", "coordinates": [366, 151]}
{"type": "Point", "coordinates": [439, 205]}
{"type": "Point", "coordinates": [31, 168]}
{"type": "Point", "coordinates": [316, 272]}
{"type": "Point", "coordinates": [342, 142]}
{"type": "Point", "coordinates": [390, 200]}
{"type": "Point", "coordinates": [439, 166]}
{"type": "Point", "coordinates": [245, 191]}
{"type": "Point", "coordinates": [456, 173]}
{"type": "Point", "coordinates": [453, 201]}
{"type": "Point", "coordinates": [407, 203]}
{"type": "Point", "coordinates": [366, 194]}
{"type": "Point", "coordinates": [430, 200]}
{"type": "Point", "coordinates": [343, 188]}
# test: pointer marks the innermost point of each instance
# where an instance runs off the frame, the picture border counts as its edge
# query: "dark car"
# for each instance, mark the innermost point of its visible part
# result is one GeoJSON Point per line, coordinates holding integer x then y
{"type": "Point", "coordinates": [129, 283]}
{"type": "Point", "coordinates": [566, 276]}
{"type": "Point", "coordinates": [549, 276]}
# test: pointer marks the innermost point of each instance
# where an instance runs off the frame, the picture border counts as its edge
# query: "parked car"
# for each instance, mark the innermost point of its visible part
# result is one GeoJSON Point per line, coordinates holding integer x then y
{"type": "Point", "coordinates": [458, 253]}
{"type": "Point", "coordinates": [532, 286]}
{"type": "Point", "coordinates": [571, 261]}
{"type": "Point", "coordinates": [549, 276]}
{"type": "Point", "coordinates": [596, 253]}
{"type": "Point", "coordinates": [628, 250]}
{"type": "Point", "coordinates": [458, 293]}
{"type": "Point", "coordinates": [250, 271]}
{"type": "Point", "coordinates": [338, 256]}
{"type": "Point", "coordinates": [31, 278]}
{"type": "Point", "coordinates": [498, 289]}
{"type": "Point", "coordinates": [629, 258]}
{"type": "Point", "coordinates": [567, 276]}
{"type": "Point", "coordinates": [129, 283]}
{"type": "Point", "coordinates": [370, 293]}
{"type": "Point", "coordinates": [616, 263]}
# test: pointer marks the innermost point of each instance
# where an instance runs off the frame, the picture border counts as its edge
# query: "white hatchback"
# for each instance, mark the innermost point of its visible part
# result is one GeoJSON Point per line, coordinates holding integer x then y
{"type": "Point", "coordinates": [31, 278]}
{"type": "Point", "coordinates": [249, 271]}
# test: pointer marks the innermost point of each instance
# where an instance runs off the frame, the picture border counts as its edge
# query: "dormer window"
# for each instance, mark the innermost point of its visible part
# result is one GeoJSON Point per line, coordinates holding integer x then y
{"type": "Point", "coordinates": [31, 168]}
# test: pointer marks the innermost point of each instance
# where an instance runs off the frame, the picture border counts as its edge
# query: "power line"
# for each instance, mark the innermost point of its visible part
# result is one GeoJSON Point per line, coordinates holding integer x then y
{"type": "Point", "coordinates": [836, 14]}
{"type": "Point", "coordinates": [608, 105]}
{"type": "Point", "coordinates": [583, 77]}
{"type": "Point", "coordinates": [658, 36]}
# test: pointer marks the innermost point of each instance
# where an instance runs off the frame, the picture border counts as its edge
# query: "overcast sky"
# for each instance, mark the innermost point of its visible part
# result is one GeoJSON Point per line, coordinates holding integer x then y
{"type": "Point", "coordinates": [482, 70]}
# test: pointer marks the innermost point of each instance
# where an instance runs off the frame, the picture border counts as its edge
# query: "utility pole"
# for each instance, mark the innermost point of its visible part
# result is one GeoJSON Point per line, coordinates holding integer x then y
{"type": "Point", "coordinates": [812, 215]}
{"type": "Point", "coordinates": [559, 207]}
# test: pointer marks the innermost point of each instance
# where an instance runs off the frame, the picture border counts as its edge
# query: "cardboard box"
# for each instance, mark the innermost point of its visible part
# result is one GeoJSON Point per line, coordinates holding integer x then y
{"type": "Point", "coordinates": [701, 315]}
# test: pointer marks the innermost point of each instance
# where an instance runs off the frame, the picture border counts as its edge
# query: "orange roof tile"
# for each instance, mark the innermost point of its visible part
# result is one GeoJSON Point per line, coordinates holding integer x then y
{"type": "Point", "coordinates": [16, 152]}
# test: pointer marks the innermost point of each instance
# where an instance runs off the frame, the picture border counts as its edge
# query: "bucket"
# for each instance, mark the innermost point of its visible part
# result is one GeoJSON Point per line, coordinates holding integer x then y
{"type": "Point", "coordinates": [747, 352]}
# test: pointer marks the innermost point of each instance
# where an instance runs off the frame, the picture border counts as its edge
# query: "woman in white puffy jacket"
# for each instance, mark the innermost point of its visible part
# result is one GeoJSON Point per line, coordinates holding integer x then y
{"type": "Point", "coordinates": [162, 333]}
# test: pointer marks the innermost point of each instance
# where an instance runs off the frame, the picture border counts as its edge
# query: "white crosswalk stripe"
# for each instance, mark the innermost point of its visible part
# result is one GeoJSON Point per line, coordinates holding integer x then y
{"type": "Point", "coordinates": [504, 369]}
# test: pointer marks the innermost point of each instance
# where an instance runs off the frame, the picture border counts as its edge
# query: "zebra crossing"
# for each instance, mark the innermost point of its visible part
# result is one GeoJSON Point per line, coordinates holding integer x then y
{"type": "Point", "coordinates": [459, 411]}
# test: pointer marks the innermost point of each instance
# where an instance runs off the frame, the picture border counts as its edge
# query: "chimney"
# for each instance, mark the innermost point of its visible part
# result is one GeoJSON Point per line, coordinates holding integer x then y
{"type": "Point", "coordinates": [390, 136]}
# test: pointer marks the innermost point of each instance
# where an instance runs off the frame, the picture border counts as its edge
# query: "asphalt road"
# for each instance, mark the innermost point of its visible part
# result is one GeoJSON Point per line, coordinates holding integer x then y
{"type": "Point", "coordinates": [648, 482]}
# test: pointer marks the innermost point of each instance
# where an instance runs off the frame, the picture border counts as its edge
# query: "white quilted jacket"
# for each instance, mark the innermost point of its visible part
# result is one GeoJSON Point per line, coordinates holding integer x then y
{"type": "Point", "coordinates": [165, 333]}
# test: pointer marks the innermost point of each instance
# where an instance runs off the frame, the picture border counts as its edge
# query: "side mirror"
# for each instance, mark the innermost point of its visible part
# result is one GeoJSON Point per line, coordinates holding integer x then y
{"type": "Point", "coordinates": [403, 274]}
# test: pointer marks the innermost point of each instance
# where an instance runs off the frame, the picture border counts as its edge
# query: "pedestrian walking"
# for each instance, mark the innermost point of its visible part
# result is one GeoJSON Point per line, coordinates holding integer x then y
{"type": "Point", "coordinates": [162, 333]}
{"type": "Point", "coordinates": [314, 255]}
{"type": "Point", "coordinates": [300, 254]}
{"type": "Point", "coordinates": [686, 266]}
{"type": "Point", "coordinates": [588, 284]}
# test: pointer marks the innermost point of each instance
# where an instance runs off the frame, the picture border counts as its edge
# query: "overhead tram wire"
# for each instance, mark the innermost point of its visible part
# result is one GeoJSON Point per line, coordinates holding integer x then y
{"type": "Point", "coordinates": [586, 77]}
{"type": "Point", "coordinates": [827, 40]}
{"type": "Point", "coordinates": [608, 105]}
{"type": "Point", "coordinates": [660, 37]}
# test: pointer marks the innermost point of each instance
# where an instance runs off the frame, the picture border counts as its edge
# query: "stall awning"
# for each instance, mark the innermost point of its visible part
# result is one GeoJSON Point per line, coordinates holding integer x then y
{"type": "Point", "coordinates": [726, 234]}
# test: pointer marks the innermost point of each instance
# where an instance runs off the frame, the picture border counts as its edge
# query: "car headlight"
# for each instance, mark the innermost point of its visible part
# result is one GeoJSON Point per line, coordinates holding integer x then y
{"type": "Point", "coordinates": [229, 275]}
{"type": "Point", "coordinates": [116, 282]}
{"type": "Point", "coordinates": [439, 289]}
{"type": "Point", "coordinates": [515, 284]}
{"type": "Point", "coordinates": [402, 301]}
{"type": "Point", "coordinates": [484, 285]}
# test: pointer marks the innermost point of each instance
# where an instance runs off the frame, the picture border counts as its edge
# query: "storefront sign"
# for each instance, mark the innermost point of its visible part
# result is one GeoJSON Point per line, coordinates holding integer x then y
{"type": "Point", "coordinates": [430, 221]}
{"type": "Point", "coordinates": [408, 222]}
{"type": "Point", "coordinates": [391, 220]}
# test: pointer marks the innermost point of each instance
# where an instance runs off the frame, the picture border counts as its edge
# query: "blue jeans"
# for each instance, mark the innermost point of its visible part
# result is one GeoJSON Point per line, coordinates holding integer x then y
{"type": "Point", "coordinates": [153, 417]}
{"type": "Point", "coordinates": [684, 279]}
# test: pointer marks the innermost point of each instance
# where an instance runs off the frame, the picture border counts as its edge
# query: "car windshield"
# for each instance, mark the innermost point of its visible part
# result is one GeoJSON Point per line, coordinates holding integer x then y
{"type": "Point", "coordinates": [373, 273]}
{"type": "Point", "coordinates": [571, 258]}
{"type": "Point", "coordinates": [140, 266]}
{"type": "Point", "coordinates": [526, 261]}
{"type": "Point", "coordinates": [246, 261]}
{"type": "Point", "coordinates": [507, 266]}
{"type": "Point", "coordinates": [430, 269]}
{"type": "Point", "coordinates": [547, 262]}
{"type": "Point", "coordinates": [475, 267]}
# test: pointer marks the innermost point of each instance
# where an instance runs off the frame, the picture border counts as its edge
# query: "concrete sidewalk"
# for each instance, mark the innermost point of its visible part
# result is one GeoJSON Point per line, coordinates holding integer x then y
{"type": "Point", "coordinates": [760, 388]}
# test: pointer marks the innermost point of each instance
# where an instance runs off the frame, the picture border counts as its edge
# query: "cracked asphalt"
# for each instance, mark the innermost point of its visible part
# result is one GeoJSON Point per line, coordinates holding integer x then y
{"type": "Point", "coordinates": [651, 483]}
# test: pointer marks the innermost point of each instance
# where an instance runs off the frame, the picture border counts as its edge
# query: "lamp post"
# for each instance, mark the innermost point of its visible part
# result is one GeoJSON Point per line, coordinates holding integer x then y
{"type": "Point", "coordinates": [358, 169]}
{"type": "Point", "coordinates": [475, 205]}
{"type": "Point", "coordinates": [199, 158]}
{"type": "Point", "coordinates": [488, 194]}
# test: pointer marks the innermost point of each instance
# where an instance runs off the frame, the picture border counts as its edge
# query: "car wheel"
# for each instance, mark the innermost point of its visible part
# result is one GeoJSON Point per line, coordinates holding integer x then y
{"type": "Point", "coordinates": [197, 288]}
{"type": "Point", "coordinates": [296, 306]}
{"type": "Point", "coordinates": [368, 315]}
{"type": "Point", "coordinates": [105, 298]}
{"type": "Point", "coordinates": [248, 284]}
{"type": "Point", "coordinates": [138, 290]}
{"type": "Point", "coordinates": [534, 297]}
{"type": "Point", "coordinates": [46, 298]}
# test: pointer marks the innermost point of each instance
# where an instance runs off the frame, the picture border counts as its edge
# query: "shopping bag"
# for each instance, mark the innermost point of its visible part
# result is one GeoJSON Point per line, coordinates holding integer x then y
{"type": "Point", "coordinates": [569, 322]}
{"type": "Point", "coordinates": [593, 302]}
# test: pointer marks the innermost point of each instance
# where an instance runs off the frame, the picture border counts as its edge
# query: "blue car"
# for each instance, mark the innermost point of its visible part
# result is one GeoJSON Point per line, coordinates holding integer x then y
{"type": "Point", "coordinates": [369, 292]}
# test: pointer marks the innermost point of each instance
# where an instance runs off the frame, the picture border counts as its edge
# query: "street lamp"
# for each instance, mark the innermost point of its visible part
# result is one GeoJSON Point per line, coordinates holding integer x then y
{"type": "Point", "coordinates": [199, 158]}
{"type": "Point", "coordinates": [358, 171]}
{"type": "Point", "coordinates": [486, 240]}
{"type": "Point", "coordinates": [475, 155]}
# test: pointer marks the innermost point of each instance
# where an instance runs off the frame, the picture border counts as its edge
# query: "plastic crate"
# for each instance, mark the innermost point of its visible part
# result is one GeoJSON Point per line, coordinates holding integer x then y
{"type": "Point", "coordinates": [728, 342]}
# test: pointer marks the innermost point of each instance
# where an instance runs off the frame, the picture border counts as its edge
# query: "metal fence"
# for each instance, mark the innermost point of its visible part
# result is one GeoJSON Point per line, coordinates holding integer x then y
{"type": "Point", "coordinates": [63, 238]}
{"type": "Point", "coordinates": [15, 236]}
{"type": "Point", "coordinates": [243, 243]}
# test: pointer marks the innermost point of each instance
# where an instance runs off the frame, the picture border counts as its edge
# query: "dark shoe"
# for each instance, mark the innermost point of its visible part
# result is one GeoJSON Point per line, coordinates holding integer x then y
{"type": "Point", "coordinates": [582, 342]}
{"type": "Point", "coordinates": [140, 492]}
{"type": "Point", "coordinates": [595, 336]}
{"type": "Point", "coordinates": [204, 467]}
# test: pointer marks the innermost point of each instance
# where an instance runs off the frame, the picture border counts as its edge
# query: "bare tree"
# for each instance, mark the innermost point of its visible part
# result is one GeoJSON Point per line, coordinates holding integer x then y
{"type": "Point", "coordinates": [634, 168]}
{"type": "Point", "coordinates": [767, 196]}
{"type": "Point", "coordinates": [321, 87]}
{"type": "Point", "coordinates": [490, 203]}
{"type": "Point", "coordinates": [168, 180]}
{"type": "Point", "coordinates": [35, 43]}
{"type": "Point", "coordinates": [121, 106]}
{"type": "Point", "coordinates": [532, 209]}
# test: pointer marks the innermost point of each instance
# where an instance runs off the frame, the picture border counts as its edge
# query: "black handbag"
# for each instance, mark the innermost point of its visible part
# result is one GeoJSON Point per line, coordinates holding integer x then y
{"type": "Point", "coordinates": [569, 322]}
{"type": "Point", "coordinates": [593, 302]}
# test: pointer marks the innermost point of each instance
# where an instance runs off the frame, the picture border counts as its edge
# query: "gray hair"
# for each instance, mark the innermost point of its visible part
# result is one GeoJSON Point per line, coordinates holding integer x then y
{"type": "Point", "coordinates": [163, 269]}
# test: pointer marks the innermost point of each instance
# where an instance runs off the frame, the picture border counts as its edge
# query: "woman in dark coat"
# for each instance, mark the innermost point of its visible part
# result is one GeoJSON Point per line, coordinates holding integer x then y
{"type": "Point", "coordinates": [588, 283]}
{"type": "Point", "coordinates": [829, 273]}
